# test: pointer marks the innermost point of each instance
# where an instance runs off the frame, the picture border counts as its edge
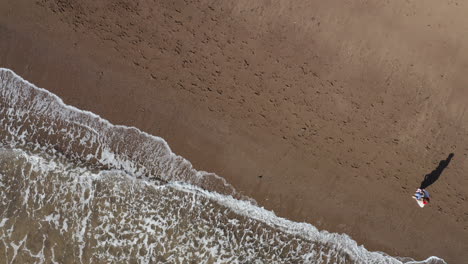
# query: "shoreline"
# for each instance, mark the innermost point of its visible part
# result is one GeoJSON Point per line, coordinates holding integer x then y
{"type": "Point", "coordinates": [243, 208]}
{"type": "Point", "coordinates": [303, 182]}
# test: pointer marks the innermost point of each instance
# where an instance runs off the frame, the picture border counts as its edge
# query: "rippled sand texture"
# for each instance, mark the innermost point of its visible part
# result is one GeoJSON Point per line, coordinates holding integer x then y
{"type": "Point", "coordinates": [327, 112]}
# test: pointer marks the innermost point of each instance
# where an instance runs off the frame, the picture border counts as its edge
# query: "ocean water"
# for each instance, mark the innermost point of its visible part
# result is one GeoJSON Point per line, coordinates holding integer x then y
{"type": "Point", "coordinates": [76, 189]}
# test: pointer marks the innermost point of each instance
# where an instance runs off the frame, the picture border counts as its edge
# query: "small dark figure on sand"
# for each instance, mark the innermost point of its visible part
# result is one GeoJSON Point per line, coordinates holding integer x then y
{"type": "Point", "coordinates": [422, 197]}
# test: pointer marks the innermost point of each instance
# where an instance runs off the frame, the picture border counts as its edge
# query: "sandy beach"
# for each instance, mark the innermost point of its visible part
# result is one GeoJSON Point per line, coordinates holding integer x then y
{"type": "Point", "coordinates": [329, 113]}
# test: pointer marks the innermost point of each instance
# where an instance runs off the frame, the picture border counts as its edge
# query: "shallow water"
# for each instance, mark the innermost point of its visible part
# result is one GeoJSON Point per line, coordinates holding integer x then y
{"type": "Point", "coordinates": [76, 189]}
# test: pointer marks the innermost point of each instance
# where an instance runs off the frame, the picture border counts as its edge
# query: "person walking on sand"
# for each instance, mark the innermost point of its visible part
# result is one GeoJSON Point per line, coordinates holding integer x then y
{"type": "Point", "coordinates": [422, 197]}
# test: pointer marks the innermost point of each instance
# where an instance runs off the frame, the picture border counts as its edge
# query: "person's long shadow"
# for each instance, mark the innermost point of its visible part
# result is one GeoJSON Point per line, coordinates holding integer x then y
{"type": "Point", "coordinates": [435, 174]}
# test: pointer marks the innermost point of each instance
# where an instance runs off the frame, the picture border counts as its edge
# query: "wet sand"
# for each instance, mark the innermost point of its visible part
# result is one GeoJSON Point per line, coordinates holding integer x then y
{"type": "Point", "coordinates": [328, 113]}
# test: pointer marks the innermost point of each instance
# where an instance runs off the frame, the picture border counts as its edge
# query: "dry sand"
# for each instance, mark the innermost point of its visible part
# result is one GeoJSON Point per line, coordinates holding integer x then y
{"type": "Point", "coordinates": [328, 112]}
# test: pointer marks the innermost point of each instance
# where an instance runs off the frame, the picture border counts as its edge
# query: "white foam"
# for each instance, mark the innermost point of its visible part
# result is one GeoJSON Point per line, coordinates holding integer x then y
{"type": "Point", "coordinates": [2, 223]}
{"type": "Point", "coordinates": [149, 156]}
